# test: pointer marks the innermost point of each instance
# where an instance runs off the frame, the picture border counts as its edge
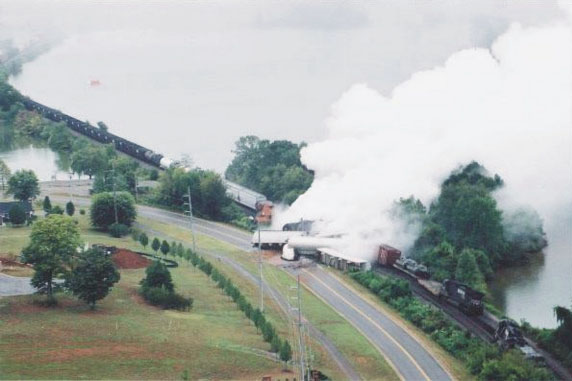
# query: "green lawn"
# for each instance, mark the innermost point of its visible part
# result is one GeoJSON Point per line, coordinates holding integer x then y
{"type": "Point", "coordinates": [125, 338]}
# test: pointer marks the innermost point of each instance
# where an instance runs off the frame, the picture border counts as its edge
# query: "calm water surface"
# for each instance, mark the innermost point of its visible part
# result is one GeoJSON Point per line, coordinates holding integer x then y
{"type": "Point", "coordinates": [43, 161]}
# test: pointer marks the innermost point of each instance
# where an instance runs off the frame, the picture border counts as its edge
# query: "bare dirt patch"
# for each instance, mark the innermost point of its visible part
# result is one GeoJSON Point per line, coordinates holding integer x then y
{"type": "Point", "coordinates": [127, 259]}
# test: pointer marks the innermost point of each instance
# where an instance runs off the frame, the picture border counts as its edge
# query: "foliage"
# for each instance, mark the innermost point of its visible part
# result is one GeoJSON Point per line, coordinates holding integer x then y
{"type": "Point", "coordinates": [89, 160]}
{"type": "Point", "coordinates": [102, 211]}
{"type": "Point", "coordinates": [165, 248]}
{"type": "Point", "coordinates": [285, 352]}
{"type": "Point", "coordinates": [82, 212]}
{"type": "Point", "coordinates": [56, 209]}
{"type": "Point", "coordinates": [143, 240]}
{"type": "Point", "coordinates": [158, 289]}
{"type": "Point", "coordinates": [272, 168]}
{"type": "Point", "coordinates": [208, 192]}
{"type": "Point", "coordinates": [157, 275]}
{"type": "Point", "coordinates": [465, 216]}
{"type": "Point", "coordinates": [17, 214]}
{"type": "Point", "coordinates": [156, 244]}
{"type": "Point", "coordinates": [118, 230]}
{"type": "Point", "coordinates": [4, 172]}
{"type": "Point", "coordinates": [468, 271]}
{"type": "Point", "coordinates": [166, 299]}
{"type": "Point", "coordinates": [23, 185]}
{"type": "Point", "coordinates": [70, 208]}
{"type": "Point", "coordinates": [53, 242]}
{"type": "Point", "coordinates": [92, 277]}
{"type": "Point", "coordinates": [484, 360]}
{"type": "Point", "coordinates": [47, 205]}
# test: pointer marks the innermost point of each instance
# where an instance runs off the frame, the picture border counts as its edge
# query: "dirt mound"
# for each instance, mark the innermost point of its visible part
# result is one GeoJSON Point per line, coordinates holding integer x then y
{"type": "Point", "coordinates": [127, 259]}
{"type": "Point", "coordinates": [11, 263]}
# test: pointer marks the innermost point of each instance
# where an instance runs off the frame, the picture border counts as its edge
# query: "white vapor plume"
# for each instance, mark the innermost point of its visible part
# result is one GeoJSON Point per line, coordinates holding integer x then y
{"type": "Point", "coordinates": [507, 107]}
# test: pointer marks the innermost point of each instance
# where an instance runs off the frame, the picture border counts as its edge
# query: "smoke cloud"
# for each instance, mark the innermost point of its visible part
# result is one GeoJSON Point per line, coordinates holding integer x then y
{"type": "Point", "coordinates": [508, 107]}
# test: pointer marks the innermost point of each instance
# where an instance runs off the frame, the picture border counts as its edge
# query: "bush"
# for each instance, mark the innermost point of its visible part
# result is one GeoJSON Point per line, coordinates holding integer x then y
{"type": "Point", "coordinates": [17, 214]}
{"type": "Point", "coordinates": [57, 210]}
{"type": "Point", "coordinates": [157, 275]}
{"type": "Point", "coordinates": [103, 210]}
{"type": "Point", "coordinates": [169, 300]}
{"type": "Point", "coordinates": [70, 208]}
{"type": "Point", "coordinates": [82, 212]}
{"type": "Point", "coordinates": [118, 230]}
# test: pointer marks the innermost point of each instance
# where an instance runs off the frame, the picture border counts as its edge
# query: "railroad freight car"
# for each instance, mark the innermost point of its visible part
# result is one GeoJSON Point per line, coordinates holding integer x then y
{"type": "Point", "coordinates": [469, 301]}
{"type": "Point", "coordinates": [387, 255]}
{"type": "Point", "coordinates": [100, 135]}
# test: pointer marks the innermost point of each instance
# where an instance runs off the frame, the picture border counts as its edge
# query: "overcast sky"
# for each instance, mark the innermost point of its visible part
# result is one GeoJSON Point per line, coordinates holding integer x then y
{"type": "Point", "coordinates": [191, 77]}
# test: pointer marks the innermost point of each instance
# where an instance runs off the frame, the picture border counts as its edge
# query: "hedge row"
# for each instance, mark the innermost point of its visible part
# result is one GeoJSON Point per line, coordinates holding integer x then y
{"type": "Point", "coordinates": [269, 333]}
{"type": "Point", "coordinates": [484, 360]}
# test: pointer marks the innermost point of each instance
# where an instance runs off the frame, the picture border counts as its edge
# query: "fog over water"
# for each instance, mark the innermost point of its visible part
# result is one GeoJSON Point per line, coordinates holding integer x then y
{"type": "Point", "coordinates": [191, 77]}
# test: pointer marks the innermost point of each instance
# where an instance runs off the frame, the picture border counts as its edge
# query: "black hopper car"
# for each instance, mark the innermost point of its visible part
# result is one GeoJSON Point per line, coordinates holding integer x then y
{"type": "Point", "coordinates": [100, 135]}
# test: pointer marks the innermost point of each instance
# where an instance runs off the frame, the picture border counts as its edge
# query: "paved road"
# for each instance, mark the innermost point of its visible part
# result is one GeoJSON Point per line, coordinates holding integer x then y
{"type": "Point", "coordinates": [404, 353]}
{"type": "Point", "coordinates": [11, 285]}
{"type": "Point", "coordinates": [407, 356]}
{"type": "Point", "coordinates": [282, 303]}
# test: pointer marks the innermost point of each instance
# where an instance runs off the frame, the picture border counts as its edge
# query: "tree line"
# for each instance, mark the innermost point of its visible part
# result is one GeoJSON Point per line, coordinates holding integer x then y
{"type": "Point", "coordinates": [464, 235]}
{"type": "Point", "coordinates": [277, 345]}
{"type": "Point", "coordinates": [271, 168]}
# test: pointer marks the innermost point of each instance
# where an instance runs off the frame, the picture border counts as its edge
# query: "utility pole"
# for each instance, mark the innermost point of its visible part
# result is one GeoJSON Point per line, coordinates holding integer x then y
{"type": "Point", "coordinates": [260, 270]}
{"type": "Point", "coordinates": [190, 204]}
{"type": "Point", "coordinates": [70, 186]}
{"type": "Point", "coordinates": [114, 193]}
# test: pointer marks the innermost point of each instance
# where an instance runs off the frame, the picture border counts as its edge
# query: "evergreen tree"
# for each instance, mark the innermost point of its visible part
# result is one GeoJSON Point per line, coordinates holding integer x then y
{"type": "Point", "coordinates": [47, 205]}
{"type": "Point", "coordinates": [156, 244]}
{"type": "Point", "coordinates": [70, 208]}
{"type": "Point", "coordinates": [157, 275]}
{"type": "Point", "coordinates": [144, 240]}
{"type": "Point", "coordinates": [285, 352]}
{"type": "Point", "coordinates": [165, 248]}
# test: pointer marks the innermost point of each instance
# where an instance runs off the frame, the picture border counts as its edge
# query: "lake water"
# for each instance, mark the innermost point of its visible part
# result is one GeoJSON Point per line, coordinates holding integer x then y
{"type": "Point", "coordinates": [43, 161]}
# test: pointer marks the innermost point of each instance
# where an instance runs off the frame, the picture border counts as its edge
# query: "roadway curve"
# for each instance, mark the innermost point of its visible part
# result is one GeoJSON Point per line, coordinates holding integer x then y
{"type": "Point", "coordinates": [408, 357]}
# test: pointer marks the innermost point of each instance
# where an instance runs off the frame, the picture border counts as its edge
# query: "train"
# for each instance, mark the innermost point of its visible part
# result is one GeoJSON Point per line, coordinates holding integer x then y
{"type": "Point", "coordinates": [466, 299]}
{"type": "Point", "coordinates": [101, 135]}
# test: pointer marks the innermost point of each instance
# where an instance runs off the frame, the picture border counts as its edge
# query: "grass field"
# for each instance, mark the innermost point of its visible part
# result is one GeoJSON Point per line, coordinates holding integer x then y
{"type": "Point", "coordinates": [125, 338]}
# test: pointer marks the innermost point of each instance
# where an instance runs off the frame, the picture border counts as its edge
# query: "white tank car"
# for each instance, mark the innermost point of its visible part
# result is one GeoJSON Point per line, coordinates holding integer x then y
{"type": "Point", "coordinates": [309, 245]}
{"type": "Point", "coordinates": [288, 253]}
{"type": "Point", "coordinates": [273, 238]}
{"type": "Point", "coordinates": [165, 163]}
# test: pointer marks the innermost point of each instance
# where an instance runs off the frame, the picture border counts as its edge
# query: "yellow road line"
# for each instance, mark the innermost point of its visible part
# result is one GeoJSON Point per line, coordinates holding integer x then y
{"type": "Point", "coordinates": [374, 323]}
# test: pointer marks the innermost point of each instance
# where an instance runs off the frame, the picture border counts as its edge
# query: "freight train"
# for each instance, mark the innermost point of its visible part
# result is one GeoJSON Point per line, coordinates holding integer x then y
{"type": "Point", "coordinates": [466, 299]}
{"type": "Point", "coordinates": [100, 135]}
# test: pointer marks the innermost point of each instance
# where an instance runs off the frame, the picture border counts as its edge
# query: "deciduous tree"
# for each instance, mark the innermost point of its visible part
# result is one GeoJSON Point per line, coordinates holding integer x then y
{"type": "Point", "coordinates": [93, 277]}
{"type": "Point", "coordinates": [23, 185]}
{"type": "Point", "coordinates": [53, 242]}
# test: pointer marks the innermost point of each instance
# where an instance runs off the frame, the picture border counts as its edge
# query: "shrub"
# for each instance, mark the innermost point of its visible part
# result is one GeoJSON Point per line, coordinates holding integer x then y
{"type": "Point", "coordinates": [118, 230]}
{"type": "Point", "coordinates": [57, 210]}
{"type": "Point", "coordinates": [82, 212]}
{"type": "Point", "coordinates": [169, 300]}
{"type": "Point", "coordinates": [70, 208]}
{"type": "Point", "coordinates": [157, 275]}
{"type": "Point", "coordinates": [17, 214]}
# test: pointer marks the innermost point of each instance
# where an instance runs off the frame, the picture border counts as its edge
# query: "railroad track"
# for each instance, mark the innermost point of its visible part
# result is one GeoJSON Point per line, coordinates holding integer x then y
{"type": "Point", "coordinates": [477, 326]}
{"type": "Point", "coordinates": [481, 326]}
